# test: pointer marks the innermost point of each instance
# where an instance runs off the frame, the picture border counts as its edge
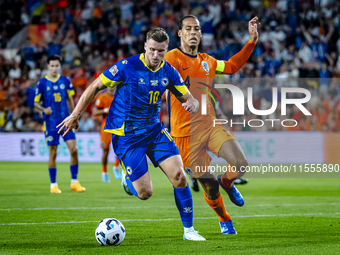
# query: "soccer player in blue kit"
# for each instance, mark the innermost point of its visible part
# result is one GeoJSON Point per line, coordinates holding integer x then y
{"type": "Point", "coordinates": [133, 120]}
{"type": "Point", "coordinates": [55, 92]}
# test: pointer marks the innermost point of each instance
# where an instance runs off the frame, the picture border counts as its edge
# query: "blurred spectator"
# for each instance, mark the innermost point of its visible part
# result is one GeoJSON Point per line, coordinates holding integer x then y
{"type": "Point", "coordinates": [299, 47]}
{"type": "Point", "coordinates": [86, 124]}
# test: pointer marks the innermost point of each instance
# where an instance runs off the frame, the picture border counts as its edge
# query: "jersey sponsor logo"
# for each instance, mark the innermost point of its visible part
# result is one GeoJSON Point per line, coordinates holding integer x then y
{"type": "Point", "coordinates": [154, 82]}
{"type": "Point", "coordinates": [50, 138]}
{"type": "Point", "coordinates": [185, 68]}
{"type": "Point", "coordinates": [62, 86]}
{"type": "Point", "coordinates": [129, 170]}
{"type": "Point", "coordinates": [205, 67]}
{"type": "Point", "coordinates": [165, 81]}
{"type": "Point", "coordinates": [114, 70]}
{"type": "Point", "coordinates": [141, 81]}
{"type": "Point", "coordinates": [55, 87]}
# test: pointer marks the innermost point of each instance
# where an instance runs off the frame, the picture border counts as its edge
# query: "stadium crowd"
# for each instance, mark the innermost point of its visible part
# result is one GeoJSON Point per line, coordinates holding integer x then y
{"type": "Point", "coordinates": [299, 46]}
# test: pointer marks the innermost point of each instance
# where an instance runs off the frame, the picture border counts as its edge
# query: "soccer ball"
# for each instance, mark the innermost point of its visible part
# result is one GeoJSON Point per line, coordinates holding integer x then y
{"type": "Point", "coordinates": [110, 231]}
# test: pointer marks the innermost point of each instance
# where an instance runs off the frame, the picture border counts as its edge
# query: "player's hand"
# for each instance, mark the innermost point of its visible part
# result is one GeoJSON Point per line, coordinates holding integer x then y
{"type": "Point", "coordinates": [48, 111]}
{"type": "Point", "coordinates": [252, 27]}
{"type": "Point", "coordinates": [191, 106]}
{"type": "Point", "coordinates": [71, 122]}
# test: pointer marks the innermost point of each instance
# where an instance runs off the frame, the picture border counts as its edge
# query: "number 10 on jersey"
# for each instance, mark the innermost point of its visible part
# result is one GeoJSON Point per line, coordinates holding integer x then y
{"type": "Point", "coordinates": [153, 97]}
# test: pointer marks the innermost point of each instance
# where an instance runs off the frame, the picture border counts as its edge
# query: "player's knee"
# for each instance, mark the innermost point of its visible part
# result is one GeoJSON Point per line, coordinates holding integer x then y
{"type": "Point", "coordinates": [53, 152]}
{"type": "Point", "coordinates": [74, 151]}
{"type": "Point", "coordinates": [241, 165]}
{"type": "Point", "coordinates": [180, 180]}
{"type": "Point", "coordinates": [145, 193]}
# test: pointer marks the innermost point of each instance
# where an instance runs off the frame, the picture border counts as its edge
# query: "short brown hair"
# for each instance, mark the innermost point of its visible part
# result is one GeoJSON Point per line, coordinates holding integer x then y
{"type": "Point", "coordinates": [158, 34]}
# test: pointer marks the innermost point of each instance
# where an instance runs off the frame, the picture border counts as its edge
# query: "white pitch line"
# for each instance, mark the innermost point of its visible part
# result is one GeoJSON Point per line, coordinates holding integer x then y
{"type": "Point", "coordinates": [169, 219]}
{"type": "Point", "coordinates": [146, 207]}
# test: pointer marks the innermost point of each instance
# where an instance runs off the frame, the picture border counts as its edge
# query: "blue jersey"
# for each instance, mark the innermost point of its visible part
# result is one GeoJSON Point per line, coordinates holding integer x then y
{"type": "Point", "coordinates": [54, 94]}
{"type": "Point", "coordinates": [136, 106]}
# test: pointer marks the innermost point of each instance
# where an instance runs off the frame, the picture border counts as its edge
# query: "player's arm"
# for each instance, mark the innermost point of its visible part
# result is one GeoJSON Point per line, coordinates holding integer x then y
{"type": "Point", "coordinates": [189, 103]}
{"type": "Point", "coordinates": [70, 103]}
{"type": "Point", "coordinates": [99, 108]}
{"type": "Point", "coordinates": [237, 61]}
{"type": "Point", "coordinates": [97, 112]}
{"type": "Point", "coordinates": [72, 121]}
{"type": "Point", "coordinates": [182, 93]}
{"type": "Point", "coordinates": [38, 107]}
{"type": "Point", "coordinates": [37, 101]}
{"type": "Point", "coordinates": [110, 78]}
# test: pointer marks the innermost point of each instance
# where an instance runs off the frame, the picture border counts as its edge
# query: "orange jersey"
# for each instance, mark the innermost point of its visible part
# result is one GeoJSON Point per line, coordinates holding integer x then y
{"type": "Point", "coordinates": [198, 72]}
{"type": "Point", "coordinates": [102, 102]}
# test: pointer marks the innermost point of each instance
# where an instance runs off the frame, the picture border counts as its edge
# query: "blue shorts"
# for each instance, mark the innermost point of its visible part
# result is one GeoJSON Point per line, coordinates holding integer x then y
{"type": "Point", "coordinates": [52, 136]}
{"type": "Point", "coordinates": [131, 150]}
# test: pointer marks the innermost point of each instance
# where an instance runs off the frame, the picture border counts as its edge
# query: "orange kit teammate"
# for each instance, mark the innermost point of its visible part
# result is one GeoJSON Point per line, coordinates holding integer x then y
{"type": "Point", "coordinates": [102, 107]}
{"type": "Point", "coordinates": [196, 134]}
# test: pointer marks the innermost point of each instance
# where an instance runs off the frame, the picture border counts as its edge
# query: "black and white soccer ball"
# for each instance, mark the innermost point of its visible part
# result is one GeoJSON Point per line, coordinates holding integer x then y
{"type": "Point", "coordinates": [110, 231]}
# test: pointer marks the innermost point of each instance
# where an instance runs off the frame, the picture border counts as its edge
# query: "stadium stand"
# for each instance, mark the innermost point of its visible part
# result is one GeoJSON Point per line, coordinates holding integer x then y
{"type": "Point", "coordinates": [299, 43]}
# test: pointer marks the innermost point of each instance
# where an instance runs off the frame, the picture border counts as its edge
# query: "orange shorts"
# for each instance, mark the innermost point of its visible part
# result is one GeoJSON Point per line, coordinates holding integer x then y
{"type": "Point", "coordinates": [105, 139]}
{"type": "Point", "coordinates": [194, 148]}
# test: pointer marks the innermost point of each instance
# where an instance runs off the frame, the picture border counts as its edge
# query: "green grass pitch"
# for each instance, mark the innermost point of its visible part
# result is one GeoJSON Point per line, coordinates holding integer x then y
{"type": "Point", "coordinates": [280, 216]}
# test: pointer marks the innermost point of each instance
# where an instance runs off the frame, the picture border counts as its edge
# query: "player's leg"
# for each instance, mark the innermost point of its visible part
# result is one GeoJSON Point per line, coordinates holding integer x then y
{"type": "Point", "coordinates": [183, 144]}
{"type": "Point", "coordinates": [52, 168]}
{"type": "Point", "coordinates": [71, 143]}
{"type": "Point", "coordinates": [52, 141]}
{"type": "Point", "coordinates": [164, 153]}
{"type": "Point", "coordinates": [224, 144]}
{"type": "Point", "coordinates": [105, 177]}
{"type": "Point", "coordinates": [214, 199]}
{"type": "Point", "coordinates": [212, 196]}
{"type": "Point", "coordinates": [135, 174]}
{"type": "Point", "coordinates": [115, 169]}
{"type": "Point", "coordinates": [135, 177]}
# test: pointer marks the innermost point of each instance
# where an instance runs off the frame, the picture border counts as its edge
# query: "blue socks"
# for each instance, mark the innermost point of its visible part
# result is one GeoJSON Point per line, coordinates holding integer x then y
{"type": "Point", "coordinates": [53, 174]}
{"type": "Point", "coordinates": [183, 200]}
{"type": "Point", "coordinates": [74, 171]}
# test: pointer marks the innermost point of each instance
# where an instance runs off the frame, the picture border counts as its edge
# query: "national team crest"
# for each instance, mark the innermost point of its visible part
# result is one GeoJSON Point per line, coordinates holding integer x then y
{"type": "Point", "coordinates": [129, 170]}
{"type": "Point", "coordinates": [205, 67]}
{"type": "Point", "coordinates": [165, 81]}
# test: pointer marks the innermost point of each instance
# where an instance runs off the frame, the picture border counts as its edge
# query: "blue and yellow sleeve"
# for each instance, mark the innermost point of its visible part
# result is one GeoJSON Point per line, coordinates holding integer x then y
{"type": "Point", "coordinates": [70, 89]}
{"type": "Point", "coordinates": [177, 85]}
{"type": "Point", "coordinates": [113, 76]}
{"type": "Point", "coordinates": [37, 97]}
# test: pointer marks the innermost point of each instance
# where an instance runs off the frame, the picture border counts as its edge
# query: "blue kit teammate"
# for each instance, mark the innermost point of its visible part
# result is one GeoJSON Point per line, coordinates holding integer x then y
{"type": "Point", "coordinates": [54, 98]}
{"type": "Point", "coordinates": [133, 120]}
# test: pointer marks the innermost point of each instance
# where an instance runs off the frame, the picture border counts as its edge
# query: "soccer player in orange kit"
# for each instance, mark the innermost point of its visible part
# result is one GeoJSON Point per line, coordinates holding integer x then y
{"type": "Point", "coordinates": [102, 107]}
{"type": "Point", "coordinates": [195, 134]}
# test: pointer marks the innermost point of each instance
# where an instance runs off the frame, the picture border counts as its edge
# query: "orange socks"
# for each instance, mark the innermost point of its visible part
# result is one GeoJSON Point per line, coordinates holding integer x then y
{"type": "Point", "coordinates": [104, 168]}
{"type": "Point", "coordinates": [229, 176]}
{"type": "Point", "coordinates": [116, 164]}
{"type": "Point", "coordinates": [218, 206]}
